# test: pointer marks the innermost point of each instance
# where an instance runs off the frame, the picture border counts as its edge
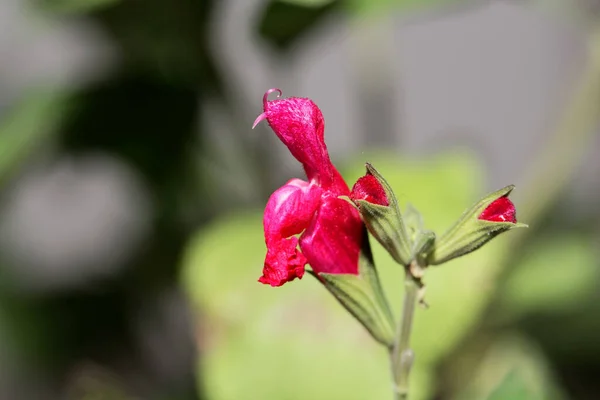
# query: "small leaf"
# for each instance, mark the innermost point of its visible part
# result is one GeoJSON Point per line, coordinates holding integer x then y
{"type": "Point", "coordinates": [422, 245]}
{"type": "Point", "coordinates": [512, 388]}
{"type": "Point", "coordinates": [414, 221]}
{"type": "Point", "coordinates": [510, 367]}
{"type": "Point", "coordinates": [283, 22]}
{"type": "Point", "coordinates": [33, 119]}
{"type": "Point", "coordinates": [92, 382]}
{"type": "Point", "coordinates": [308, 3]}
{"type": "Point", "coordinates": [76, 6]}
{"type": "Point", "coordinates": [541, 283]}
{"type": "Point", "coordinates": [379, 6]}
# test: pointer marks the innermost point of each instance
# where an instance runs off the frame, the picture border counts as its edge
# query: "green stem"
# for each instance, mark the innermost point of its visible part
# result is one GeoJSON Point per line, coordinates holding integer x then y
{"type": "Point", "coordinates": [401, 354]}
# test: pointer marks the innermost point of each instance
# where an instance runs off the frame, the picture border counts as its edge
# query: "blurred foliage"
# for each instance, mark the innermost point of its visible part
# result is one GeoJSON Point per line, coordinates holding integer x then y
{"type": "Point", "coordinates": [556, 275]}
{"type": "Point", "coordinates": [143, 112]}
{"type": "Point", "coordinates": [27, 126]}
{"type": "Point", "coordinates": [369, 7]}
{"type": "Point", "coordinates": [578, 12]}
{"type": "Point", "coordinates": [284, 22]}
{"type": "Point", "coordinates": [94, 383]}
{"type": "Point", "coordinates": [513, 388]}
{"type": "Point", "coordinates": [75, 6]}
{"type": "Point", "coordinates": [512, 368]}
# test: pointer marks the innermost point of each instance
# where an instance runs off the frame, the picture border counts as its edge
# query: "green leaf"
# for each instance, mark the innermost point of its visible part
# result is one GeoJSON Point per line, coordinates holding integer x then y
{"type": "Point", "coordinates": [512, 388]}
{"type": "Point", "coordinates": [31, 121]}
{"type": "Point", "coordinates": [511, 368]}
{"type": "Point", "coordinates": [91, 382]}
{"type": "Point", "coordinates": [362, 7]}
{"type": "Point", "coordinates": [308, 3]}
{"type": "Point", "coordinates": [422, 246]}
{"type": "Point", "coordinates": [414, 221]}
{"type": "Point", "coordinates": [556, 274]}
{"type": "Point", "coordinates": [76, 6]}
{"type": "Point", "coordinates": [284, 22]}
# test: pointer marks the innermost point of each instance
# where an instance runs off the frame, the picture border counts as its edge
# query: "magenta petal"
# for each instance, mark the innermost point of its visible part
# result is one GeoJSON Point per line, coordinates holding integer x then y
{"type": "Point", "coordinates": [332, 242]}
{"type": "Point", "coordinates": [284, 262]}
{"type": "Point", "coordinates": [500, 210]}
{"type": "Point", "coordinates": [289, 212]}
{"type": "Point", "coordinates": [298, 123]}
{"type": "Point", "coordinates": [290, 209]}
{"type": "Point", "coordinates": [370, 189]}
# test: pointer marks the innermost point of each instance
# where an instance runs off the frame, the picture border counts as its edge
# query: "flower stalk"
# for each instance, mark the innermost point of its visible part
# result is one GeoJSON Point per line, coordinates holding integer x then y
{"type": "Point", "coordinates": [402, 356]}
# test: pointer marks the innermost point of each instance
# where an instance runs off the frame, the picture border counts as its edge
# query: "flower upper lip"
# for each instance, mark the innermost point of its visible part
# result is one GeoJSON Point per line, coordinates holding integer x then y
{"type": "Point", "coordinates": [299, 124]}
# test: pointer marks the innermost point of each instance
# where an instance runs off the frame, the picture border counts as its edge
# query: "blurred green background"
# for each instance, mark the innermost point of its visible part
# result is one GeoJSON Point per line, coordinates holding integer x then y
{"type": "Point", "coordinates": [133, 187]}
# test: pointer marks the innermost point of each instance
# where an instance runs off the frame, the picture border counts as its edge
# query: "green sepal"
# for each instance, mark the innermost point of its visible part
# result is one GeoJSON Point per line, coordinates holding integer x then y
{"type": "Point", "coordinates": [363, 296]}
{"type": "Point", "coordinates": [413, 220]}
{"type": "Point", "coordinates": [470, 232]}
{"type": "Point", "coordinates": [422, 246]}
{"type": "Point", "coordinates": [385, 222]}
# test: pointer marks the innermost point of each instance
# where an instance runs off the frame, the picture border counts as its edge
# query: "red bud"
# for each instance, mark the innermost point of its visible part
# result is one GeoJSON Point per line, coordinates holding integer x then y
{"type": "Point", "coordinates": [500, 210]}
{"type": "Point", "coordinates": [368, 188]}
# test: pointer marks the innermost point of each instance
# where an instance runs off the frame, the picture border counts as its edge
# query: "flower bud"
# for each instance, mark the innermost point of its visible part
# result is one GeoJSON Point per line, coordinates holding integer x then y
{"type": "Point", "coordinates": [491, 216]}
{"type": "Point", "coordinates": [379, 209]}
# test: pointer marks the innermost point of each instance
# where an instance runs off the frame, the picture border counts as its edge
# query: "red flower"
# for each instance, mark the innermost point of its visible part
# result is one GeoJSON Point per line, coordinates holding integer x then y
{"type": "Point", "coordinates": [370, 189]}
{"type": "Point", "coordinates": [500, 210]}
{"type": "Point", "coordinates": [330, 228]}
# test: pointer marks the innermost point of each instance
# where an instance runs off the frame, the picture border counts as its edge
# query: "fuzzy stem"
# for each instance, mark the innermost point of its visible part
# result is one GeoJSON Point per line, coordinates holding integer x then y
{"type": "Point", "coordinates": [402, 356]}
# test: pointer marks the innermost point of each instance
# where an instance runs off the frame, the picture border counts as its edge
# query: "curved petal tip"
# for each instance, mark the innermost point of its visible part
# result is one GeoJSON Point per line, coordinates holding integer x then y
{"type": "Point", "coordinates": [258, 119]}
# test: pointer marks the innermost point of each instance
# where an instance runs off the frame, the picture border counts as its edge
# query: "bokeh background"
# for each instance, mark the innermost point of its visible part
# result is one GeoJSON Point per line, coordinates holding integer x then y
{"type": "Point", "coordinates": [132, 190]}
